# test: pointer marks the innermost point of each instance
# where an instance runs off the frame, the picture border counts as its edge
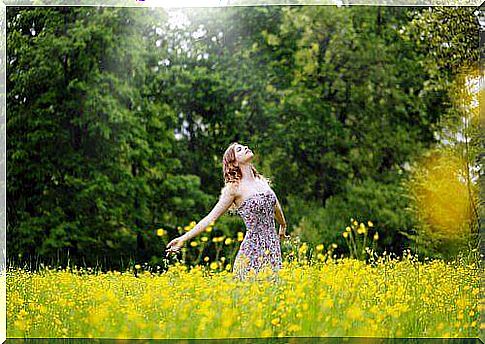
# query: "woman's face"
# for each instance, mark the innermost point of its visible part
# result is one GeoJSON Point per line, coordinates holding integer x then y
{"type": "Point", "coordinates": [243, 153]}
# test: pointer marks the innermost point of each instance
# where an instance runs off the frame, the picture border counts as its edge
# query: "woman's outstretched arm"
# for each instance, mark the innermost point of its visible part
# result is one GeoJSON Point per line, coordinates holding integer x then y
{"type": "Point", "coordinates": [226, 198]}
{"type": "Point", "coordinates": [280, 217]}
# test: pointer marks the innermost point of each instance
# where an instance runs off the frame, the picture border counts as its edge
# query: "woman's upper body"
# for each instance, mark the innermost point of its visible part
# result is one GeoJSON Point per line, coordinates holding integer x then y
{"type": "Point", "coordinates": [242, 181]}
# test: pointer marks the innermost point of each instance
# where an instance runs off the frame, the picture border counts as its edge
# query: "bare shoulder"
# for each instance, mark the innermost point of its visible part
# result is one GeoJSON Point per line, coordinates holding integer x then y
{"type": "Point", "coordinates": [230, 189]}
{"type": "Point", "coordinates": [267, 181]}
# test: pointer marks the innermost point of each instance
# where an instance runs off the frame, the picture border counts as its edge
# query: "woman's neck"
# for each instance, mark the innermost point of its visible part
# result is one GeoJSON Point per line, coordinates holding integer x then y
{"type": "Point", "coordinates": [247, 173]}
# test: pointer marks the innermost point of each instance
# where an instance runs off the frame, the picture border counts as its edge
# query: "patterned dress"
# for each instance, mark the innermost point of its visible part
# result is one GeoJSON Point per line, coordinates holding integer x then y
{"type": "Point", "coordinates": [261, 245]}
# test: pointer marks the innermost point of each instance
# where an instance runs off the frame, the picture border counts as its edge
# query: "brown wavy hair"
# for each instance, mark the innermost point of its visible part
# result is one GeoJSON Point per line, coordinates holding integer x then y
{"type": "Point", "coordinates": [232, 173]}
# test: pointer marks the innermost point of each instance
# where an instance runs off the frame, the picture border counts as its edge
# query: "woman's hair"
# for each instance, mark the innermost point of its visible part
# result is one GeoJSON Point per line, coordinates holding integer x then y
{"type": "Point", "coordinates": [232, 173]}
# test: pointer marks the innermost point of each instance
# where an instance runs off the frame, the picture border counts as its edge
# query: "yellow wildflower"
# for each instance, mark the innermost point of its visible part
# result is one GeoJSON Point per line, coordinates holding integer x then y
{"type": "Point", "coordinates": [20, 324]}
{"type": "Point", "coordinates": [319, 247]}
{"type": "Point", "coordinates": [267, 333]}
{"type": "Point", "coordinates": [259, 322]}
{"type": "Point", "coordinates": [354, 313]}
{"type": "Point", "coordinates": [328, 303]}
{"type": "Point", "coordinates": [275, 321]}
{"type": "Point", "coordinates": [376, 236]}
{"type": "Point", "coordinates": [193, 243]}
{"type": "Point", "coordinates": [345, 234]}
{"type": "Point", "coordinates": [161, 232]}
{"type": "Point", "coordinates": [227, 321]}
{"type": "Point", "coordinates": [370, 224]}
{"type": "Point", "coordinates": [303, 248]}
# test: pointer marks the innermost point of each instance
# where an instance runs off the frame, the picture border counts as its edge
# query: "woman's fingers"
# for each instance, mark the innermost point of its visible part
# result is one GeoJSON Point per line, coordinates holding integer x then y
{"type": "Point", "coordinates": [284, 236]}
{"type": "Point", "coordinates": [173, 246]}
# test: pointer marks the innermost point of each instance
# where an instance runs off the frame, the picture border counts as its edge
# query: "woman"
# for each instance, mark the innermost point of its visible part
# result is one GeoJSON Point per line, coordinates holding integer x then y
{"type": "Point", "coordinates": [250, 194]}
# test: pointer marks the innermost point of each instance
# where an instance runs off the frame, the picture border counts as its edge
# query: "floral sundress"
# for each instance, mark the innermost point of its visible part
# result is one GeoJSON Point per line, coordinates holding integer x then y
{"type": "Point", "coordinates": [260, 248]}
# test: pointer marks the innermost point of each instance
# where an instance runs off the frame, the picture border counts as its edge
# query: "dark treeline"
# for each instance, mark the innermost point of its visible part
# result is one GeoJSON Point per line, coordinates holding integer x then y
{"type": "Point", "coordinates": [117, 120]}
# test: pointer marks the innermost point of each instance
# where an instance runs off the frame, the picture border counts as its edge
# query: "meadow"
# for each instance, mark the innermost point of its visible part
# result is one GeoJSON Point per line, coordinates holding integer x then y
{"type": "Point", "coordinates": [388, 297]}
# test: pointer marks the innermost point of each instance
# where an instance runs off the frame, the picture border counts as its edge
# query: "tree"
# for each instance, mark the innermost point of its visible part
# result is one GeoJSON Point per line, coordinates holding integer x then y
{"type": "Point", "coordinates": [448, 38]}
{"type": "Point", "coordinates": [83, 160]}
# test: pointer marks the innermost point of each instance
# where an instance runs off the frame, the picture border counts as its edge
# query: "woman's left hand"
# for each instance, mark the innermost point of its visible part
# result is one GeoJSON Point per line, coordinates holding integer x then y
{"type": "Point", "coordinates": [282, 232]}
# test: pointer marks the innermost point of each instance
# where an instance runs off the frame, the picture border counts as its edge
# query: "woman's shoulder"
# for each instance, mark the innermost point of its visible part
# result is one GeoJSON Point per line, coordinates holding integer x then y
{"type": "Point", "coordinates": [230, 188]}
{"type": "Point", "coordinates": [266, 180]}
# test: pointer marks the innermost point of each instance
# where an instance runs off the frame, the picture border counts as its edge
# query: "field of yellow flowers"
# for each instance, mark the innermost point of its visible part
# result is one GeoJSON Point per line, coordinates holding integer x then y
{"type": "Point", "coordinates": [392, 297]}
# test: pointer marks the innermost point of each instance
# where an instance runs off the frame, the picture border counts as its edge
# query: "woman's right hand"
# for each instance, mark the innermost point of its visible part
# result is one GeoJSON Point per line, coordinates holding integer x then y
{"type": "Point", "coordinates": [282, 232]}
{"type": "Point", "coordinates": [175, 245]}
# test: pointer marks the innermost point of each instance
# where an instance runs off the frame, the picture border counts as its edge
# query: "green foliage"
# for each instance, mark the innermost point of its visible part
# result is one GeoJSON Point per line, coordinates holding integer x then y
{"type": "Point", "coordinates": [382, 204]}
{"type": "Point", "coordinates": [343, 99]}
{"type": "Point", "coordinates": [444, 184]}
{"type": "Point", "coordinates": [88, 152]}
{"type": "Point", "coordinates": [447, 35]}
